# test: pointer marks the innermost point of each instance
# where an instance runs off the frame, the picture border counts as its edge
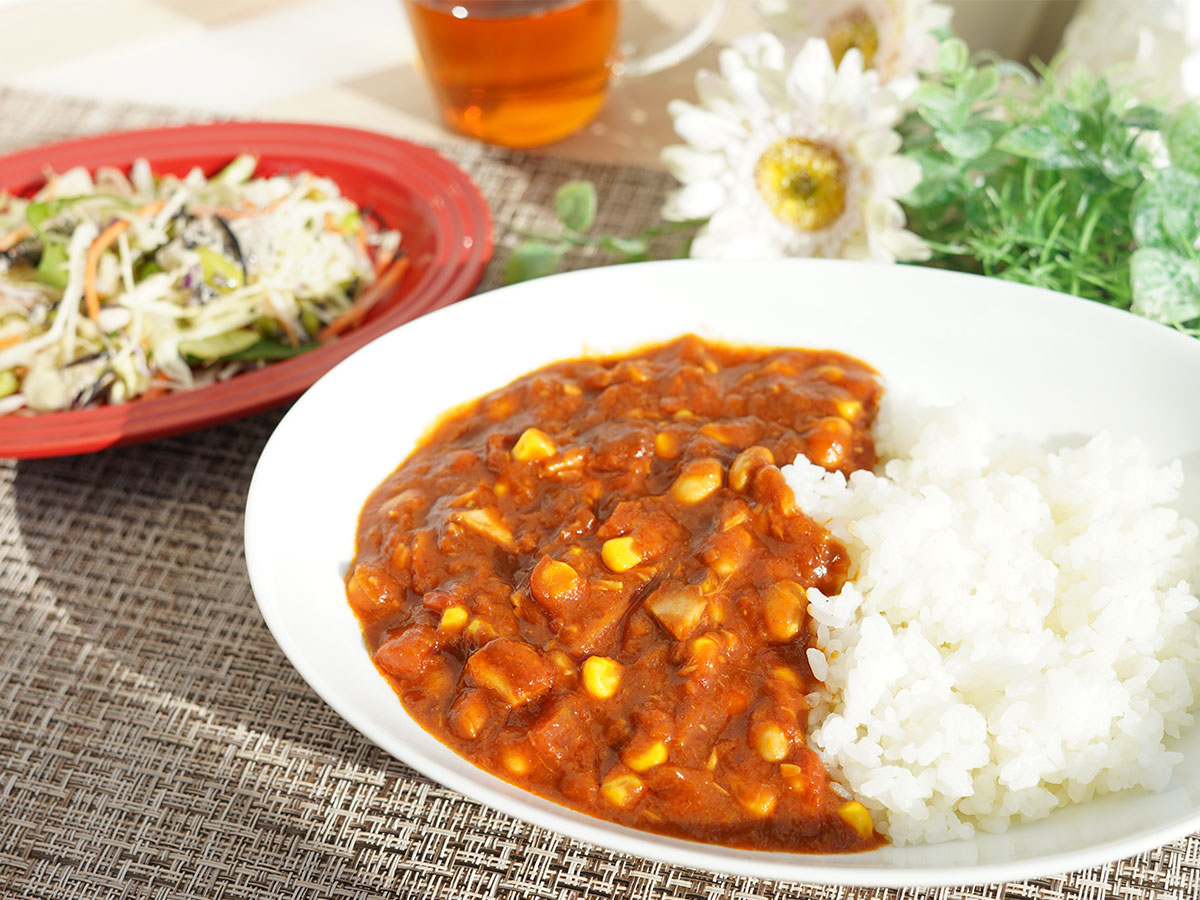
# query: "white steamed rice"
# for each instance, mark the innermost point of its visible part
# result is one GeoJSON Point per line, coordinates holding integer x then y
{"type": "Point", "coordinates": [1022, 632]}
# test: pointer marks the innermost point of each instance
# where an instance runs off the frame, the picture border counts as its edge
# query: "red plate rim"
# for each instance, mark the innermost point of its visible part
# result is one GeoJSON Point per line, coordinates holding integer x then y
{"type": "Point", "coordinates": [464, 243]}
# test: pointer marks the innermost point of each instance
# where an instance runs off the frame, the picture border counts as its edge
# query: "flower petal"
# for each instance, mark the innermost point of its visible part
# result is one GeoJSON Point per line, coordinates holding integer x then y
{"type": "Point", "coordinates": [761, 51]}
{"type": "Point", "coordinates": [702, 129]}
{"type": "Point", "coordinates": [747, 245]}
{"type": "Point", "coordinates": [698, 200]}
{"type": "Point", "coordinates": [812, 73]}
{"type": "Point", "coordinates": [873, 146]}
{"type": "Point", "coordinates": [714, 93]}
{"type": "Point", "coordinates": [895, 176]}
{"type": "Point", "coordinates": [688, 164]}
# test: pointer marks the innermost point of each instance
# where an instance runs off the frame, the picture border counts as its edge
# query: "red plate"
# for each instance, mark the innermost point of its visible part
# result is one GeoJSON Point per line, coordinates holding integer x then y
{"type": "Point", "coordinates": [446, 231]}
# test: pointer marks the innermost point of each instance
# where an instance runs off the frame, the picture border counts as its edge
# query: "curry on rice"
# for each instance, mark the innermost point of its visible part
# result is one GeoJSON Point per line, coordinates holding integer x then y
{"type": "Point", "coordinates": [591, 583]}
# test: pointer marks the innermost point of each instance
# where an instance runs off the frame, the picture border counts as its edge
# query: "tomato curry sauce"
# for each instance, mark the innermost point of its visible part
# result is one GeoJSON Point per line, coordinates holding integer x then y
{"type": "Point", "coordinates": [591, 583]}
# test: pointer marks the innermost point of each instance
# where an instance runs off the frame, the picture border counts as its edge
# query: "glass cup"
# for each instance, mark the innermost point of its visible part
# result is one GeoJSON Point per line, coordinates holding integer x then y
{"type": "Point", "coordinates": [522, 73]}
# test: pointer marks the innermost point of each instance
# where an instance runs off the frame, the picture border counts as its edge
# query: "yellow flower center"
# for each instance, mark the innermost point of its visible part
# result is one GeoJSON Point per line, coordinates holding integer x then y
{"type": "Point", "coordinates": [803, 183]}
{"type": "Point", "coordinates": [855, 29]}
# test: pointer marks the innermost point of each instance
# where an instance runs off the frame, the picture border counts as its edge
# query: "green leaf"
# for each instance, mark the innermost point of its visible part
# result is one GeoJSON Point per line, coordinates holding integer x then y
{"type": "Point", "coordinates": [981, 85]}
{"type": "Point", "coordinates": [939, 178]}
{"type": "Point", "coordinates": [952, 56]}
{"type": "Point", "coordinates": [635, 246]}
{"type": "Point", "coordinates": [1062, 118]}
{"type": "Point", "coordinates": [1030, 142]}
{"type": "Point", "coordinates": [575, 204]}
{"type": "Point", "coordinates": [1165, 211]}
{"type": "Point", "coordinates": [52, 267]}
{"type": "Point", "coordinates": [1007, 68]}
{"type": "Point", "coordinates": [1166, 286]}
{"type": "Point", "coordinates": [968, 143]}
{"type": "Point", "coordinates": [532, 259]}
{"type": "Point", "coordinates": [1149, 118]}
{"type": "Point", "coordinates": [1183, 139]}
{"type": "Point", "coordinates": [941, 107]}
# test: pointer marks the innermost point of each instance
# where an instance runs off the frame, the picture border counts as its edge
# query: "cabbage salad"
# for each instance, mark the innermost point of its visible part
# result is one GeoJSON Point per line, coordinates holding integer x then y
{"type": "Point", "coordinates": [116, 286]}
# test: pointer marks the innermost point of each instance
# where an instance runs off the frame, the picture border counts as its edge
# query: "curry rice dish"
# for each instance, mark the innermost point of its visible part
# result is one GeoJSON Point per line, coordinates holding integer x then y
{"type": "Point", "coordinates": [595, 583]}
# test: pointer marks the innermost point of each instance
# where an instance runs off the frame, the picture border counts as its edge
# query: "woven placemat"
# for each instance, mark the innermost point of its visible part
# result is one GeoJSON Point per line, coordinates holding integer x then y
{"type": "Point", "coordinates": [154, 741]}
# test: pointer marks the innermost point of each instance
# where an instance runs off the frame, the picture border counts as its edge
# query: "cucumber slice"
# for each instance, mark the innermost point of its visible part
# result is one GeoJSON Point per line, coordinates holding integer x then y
{"type": "Point", "coordinates": [219, 346]}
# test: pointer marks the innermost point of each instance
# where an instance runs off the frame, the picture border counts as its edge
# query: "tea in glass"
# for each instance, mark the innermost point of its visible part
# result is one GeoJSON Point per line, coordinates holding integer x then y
{"type": "Point", "coordinates": [517, 72]}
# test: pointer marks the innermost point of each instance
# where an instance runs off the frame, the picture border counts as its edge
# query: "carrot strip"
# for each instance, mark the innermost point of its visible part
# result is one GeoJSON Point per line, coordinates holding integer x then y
{"type": "Point", "coordinates": [362, 304]}
{"type": "Point", "coordinates": [228, 212]}
{"type": "Point", "coordinates": [383, 261]}
{"type": "Point", "coordinates": [331, 224]}
{"type": "Point", "coordinates": [90, 295]}
{"type": "Point", "coordinates": [14, 237]}
{"type": "Point", "coordinates": [11, 341]}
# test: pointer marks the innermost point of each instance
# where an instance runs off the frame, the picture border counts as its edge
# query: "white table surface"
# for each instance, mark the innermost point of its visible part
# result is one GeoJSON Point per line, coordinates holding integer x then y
{"type": "Point", "coordinates": [351, 62]}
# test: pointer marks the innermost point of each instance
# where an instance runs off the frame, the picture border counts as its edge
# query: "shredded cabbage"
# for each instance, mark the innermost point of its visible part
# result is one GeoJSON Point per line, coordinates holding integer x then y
{"type": "Point", "coordinates": [115, 286]}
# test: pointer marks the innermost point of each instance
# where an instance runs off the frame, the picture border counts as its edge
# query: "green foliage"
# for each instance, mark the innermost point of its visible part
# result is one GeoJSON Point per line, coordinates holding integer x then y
{"type": "Point", "coordinates": [1052, 182]}
{"type": "Point", "coordinates": [575, 204]}
{"type": "Point", "coordinates": [533, 259]}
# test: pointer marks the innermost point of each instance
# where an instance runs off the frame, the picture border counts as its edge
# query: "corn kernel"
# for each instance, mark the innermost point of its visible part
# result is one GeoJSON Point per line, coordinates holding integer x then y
{"type": "Point", "coordinates": [563, 663]}
{"type": "Point", "coordinates": [848, 409]}
{"type": "Point", "coordinates": [554, 584]}
{"type": "Point", "coordinates": [453, 619]}
{"type": "Point", "coordinates": [532, 445]}
{"type": "Point", "coordinates": [830, 441]}
{"type": "Point", "coordinates": [622, 791]}
{"type": "Point", "coordinates": [705, 651]}
{"type": "Point", "coordinates": [784, 674]}
{"type": "Point", "coordinates": [746, 464]}
{"type": "Point", "coordinates": [468, 715]}
{"type": "Point", "coordinates": [770, 742]}
{"type": "Point", "coordinates": [794, 778]}
{"type": "Point", "coordinates": [480, 631]}
{"type": "Point", "coordinates": [698, 479]}
{"type": "Point", "coordinates": [619, 554]}
{"type": "Point", "coordinates": [401, 555]}
{"type": "Point", "coordinates": [857, 817]}
{"type": "Point", "coordinates": [757, 799]}
{"type": "Point", "coordinates": [642, 756]}
{"type": "Point", "coordinates": [601, 676]}
{"type": "Point", "coordinates": [666, 445]}
{"type": "Point", "coordinates": [784, 605]}
{"type": "Point", "coordinates": [515, 761]}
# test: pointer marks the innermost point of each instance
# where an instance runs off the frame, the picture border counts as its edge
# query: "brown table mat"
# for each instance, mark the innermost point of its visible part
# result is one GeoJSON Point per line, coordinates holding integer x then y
{"type": "Point", "coordinates": [154, 741]}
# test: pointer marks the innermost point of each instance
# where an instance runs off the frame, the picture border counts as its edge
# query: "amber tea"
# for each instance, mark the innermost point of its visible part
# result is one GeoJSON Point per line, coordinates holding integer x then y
{"type": "Point", "coordinates": [517, 72]}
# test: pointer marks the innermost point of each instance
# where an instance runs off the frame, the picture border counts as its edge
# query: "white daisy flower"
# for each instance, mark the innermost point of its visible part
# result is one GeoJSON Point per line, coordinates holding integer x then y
{"type": "Point", "coordinates": [1152, 46]}
{"type": "Point", "coordinates": [894, 36]}
{"type": "Point", "coordinates": [792, 161]}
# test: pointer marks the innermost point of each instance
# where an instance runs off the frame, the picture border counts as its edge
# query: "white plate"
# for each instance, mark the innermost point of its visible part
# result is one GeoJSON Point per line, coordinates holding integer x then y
{"type": "Point", "coordinates": [1035, 361]}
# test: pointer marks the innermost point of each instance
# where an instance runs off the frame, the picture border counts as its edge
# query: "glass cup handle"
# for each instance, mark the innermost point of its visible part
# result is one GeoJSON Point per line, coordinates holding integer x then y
{"type": "Point", "coordinates": [688, 43]}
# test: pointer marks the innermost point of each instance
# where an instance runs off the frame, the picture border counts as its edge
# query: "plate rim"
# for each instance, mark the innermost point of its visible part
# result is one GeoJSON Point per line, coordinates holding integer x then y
{"type": "Point", "coordinates": [74, 432]}
{"type": "Point", "coordinates": [773, 865]}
